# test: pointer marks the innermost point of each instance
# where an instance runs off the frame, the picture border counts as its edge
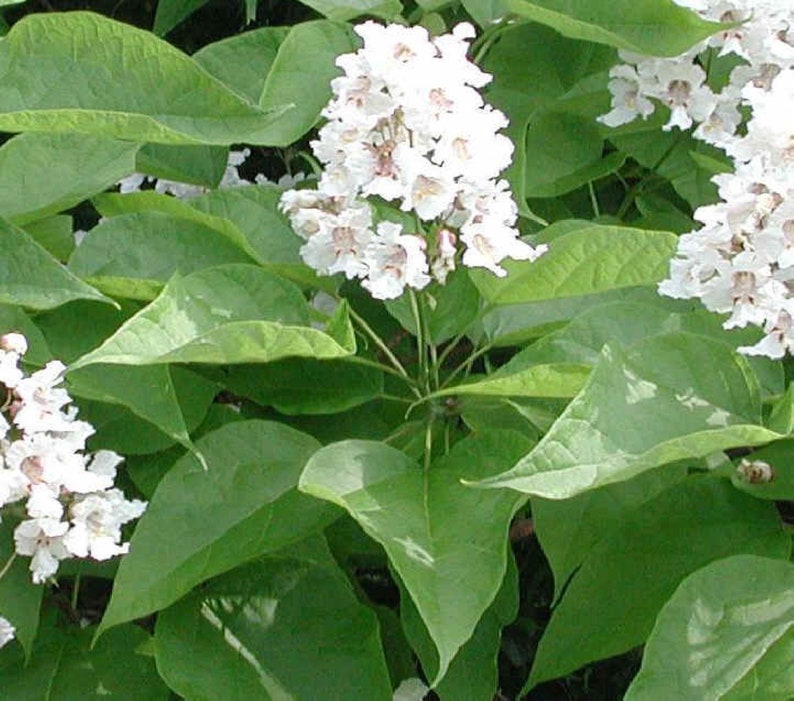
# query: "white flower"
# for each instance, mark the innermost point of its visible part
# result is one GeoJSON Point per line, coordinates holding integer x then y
{"type": "Point", "coordinates": [96, 524]}
{"type": "Point", "coordinates": [41, 460]}
{"type": "Point", "coordinates": [42, 539]}
{"type": "Point", "coordinates": [628, 100]}
{"type": "Point", "coordinates": [395, 260]}
{"type": "Point", "coordinates": [7, 631]}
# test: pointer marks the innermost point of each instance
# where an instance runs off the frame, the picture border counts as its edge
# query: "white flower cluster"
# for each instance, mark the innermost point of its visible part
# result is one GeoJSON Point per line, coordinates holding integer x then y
{"type": "Point", "coordinates": [407, 124]}
{"type": "Point", "coordinates": [741, 262]}
{"type": "Point", "coordinates": [72, 507]}
{"type": "Point", "coordinates": [763, 43]}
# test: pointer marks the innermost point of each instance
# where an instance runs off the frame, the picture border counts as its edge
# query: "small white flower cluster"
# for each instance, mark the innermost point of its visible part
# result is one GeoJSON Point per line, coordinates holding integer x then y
{"type": "Point", "coordinates": [407, 124]}
{"type": "Point", "coordinates": [741, 262]}
{"type": "Point", "coordinates": [7, 631]}
{"type": "Point", "coordinates": [72, 507]}
{"type": "Point", "coordinates": [763, 43]}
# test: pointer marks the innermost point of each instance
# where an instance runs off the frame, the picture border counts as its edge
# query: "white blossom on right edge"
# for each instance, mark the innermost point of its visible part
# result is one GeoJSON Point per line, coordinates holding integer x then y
{"type": "Point", "coordinates": [406, 124]}
{"type": "Point", "coordinates": [740, 262]}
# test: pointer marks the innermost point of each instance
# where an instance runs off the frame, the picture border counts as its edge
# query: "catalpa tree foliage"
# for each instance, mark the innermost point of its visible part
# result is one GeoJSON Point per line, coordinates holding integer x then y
{"type": "Point", "coordinates": [397, 350]}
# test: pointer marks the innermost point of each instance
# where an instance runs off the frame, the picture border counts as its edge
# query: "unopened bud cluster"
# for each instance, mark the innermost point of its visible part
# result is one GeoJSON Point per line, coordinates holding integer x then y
{"type": "Point", "coordinates": [407, 125]}
{"type": "Point", "coordinates": [71, 507]}
{"type": "Point", "coordinates": [741, 261]}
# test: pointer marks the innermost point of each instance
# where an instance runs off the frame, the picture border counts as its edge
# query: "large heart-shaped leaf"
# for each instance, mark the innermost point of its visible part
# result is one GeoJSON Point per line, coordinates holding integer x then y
{"type": "Point", "coordinates": [586, 259]}
{"type": "Point", "coordinates": [98, 76]}
{"type": "Point", "coordinates": [41, 174]}
{"type": "Point", "coordinates": [726, 633]}
{"type": "Point", "coordinates": [31, 277]}
{"type": "Point", "coordinates": [64, 666]}
{"type": "Point", "coordinates": [249, 489]}
{"type": "Point", "coordinates": [287, 626]}
{"type": "Point", "coordinates": [436, 532]}
{"type": "Point", "coordinates": [651, 27]}
{"type": "Point", "coordinates": [651, 406]}
{"type": "Point", "coordinates": [568, 529]}
{"type": "Point", "coordinates": [227, 314]}
{"type": "Point", "coordinates": [641, 563]}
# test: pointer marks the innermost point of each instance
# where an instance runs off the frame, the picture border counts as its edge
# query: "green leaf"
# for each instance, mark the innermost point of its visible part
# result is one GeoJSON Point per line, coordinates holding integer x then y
{"type": "Point", "coordinates": [248, 487]}
{"type": "Point", "coordinates": [675, 155]}
{"type": "Point", "coordinates": [199, 165]}
{"type": "Point", "coordinates": [649, 27]}
{"type": "Point", "coordinates": [172, 12]}
{"type": "Point", "coordinates": [569, 528]}
{"type": "Point", "coordinates": [589, 172]}
{"type": "Point", "coordinates": [642, 561]}
{"type": "Point", "coordinates": [627, 323]}
{"type": "Point", "coordinates": [301, 76]}
{"type": "Point", "coordinates": [112, 205]}
{"type": "Point", "coordinates": [147, 391]}
{"type": "Point", "coordinates": [305, 386]}
{"type": "Point", "coordinates": [287, 626]}
{"type": "Point", "coordinates": [552, 380]}
{"type": "Point", "coordinates": [247, 216]}
{"type": "Point", "coordinates": [652, 406]}
{"type": "Point", "coordinates": [98, 76]}
{"type": "Point", "coordinates": [535, 71]}
{"type": "Point", "coordinates": [152, 246]}
{"type": "Point", "coordinates": [345, 10]}
{"type": "Point", "coordinates": [41, 174]}
{"type": "Point", "coordinates": [54, 234]}
{"type": "Point", "coordinates": [436, 532]}
{"type": "Point", "coordinates": [20, 599]}
{"type": "Point", "coordinates": [561, 145]}
{"type": "Point", "coordinates": [243, 61]}
{"type": "Point", "coordinates": [473, 675]}
{"type": "Point", "coordinates": [254, 211]}
{"type": "Point", "coordinates": [65, 667]}
{"type": "Point", "coordinates": [586, 259]}
{"type": "Point", "coordinates": [227, 314]}
{"type": "Point", "coordinates": [31, 277]}
{"type": "Point", "coordinates": [725, 633]}
{"type": "Point", "coordinates": [155, 394]}
{"type": "Point", "coordinates": [516, 324]}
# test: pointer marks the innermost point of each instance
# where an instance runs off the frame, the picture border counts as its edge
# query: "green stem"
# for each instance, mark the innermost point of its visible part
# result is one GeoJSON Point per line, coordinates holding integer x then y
{"type": "Point", "coordinates": [466, 364]}
{"type": "Point", "coordinates": [421, 341]}
{"type": "Point", "coordinates": [8, 564]}
{"type": "Point", "coordinates": [76, 589]}
{"type": "Point", "coordinates": [484, 42]}
{"type": "Point", "coordinates": [593, 199]}
{"type": "Point", "coordinates": [428, 449]}
{"type": "Point", "coordinates": [380, 366]}
{"type": "Point", "coordinates": [368, 330]}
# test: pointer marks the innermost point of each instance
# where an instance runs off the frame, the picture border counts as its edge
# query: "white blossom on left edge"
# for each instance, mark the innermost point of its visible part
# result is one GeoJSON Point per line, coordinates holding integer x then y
{"type": "Point", "coordinates": [72, 506]}
{"type": "Point", "coordinates": [7, 631]}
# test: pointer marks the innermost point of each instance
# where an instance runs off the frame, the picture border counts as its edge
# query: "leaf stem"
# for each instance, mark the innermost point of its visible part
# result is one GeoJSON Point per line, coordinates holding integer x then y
{"type": "Point", "coordinates": [8, 564]}
{"type": "Point", "coordinates": [378, 341]}
{"type": "Point", "coordinates": [466, 363]}
{"type": "Point", "coordinates": [421, 341]}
